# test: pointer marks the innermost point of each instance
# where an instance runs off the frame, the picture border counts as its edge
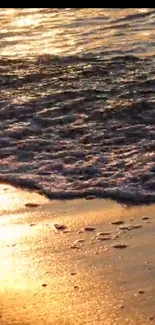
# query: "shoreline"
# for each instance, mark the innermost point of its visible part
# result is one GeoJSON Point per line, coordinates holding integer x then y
{"type": "Point", "coordinates": [73, 275]}
{"type": "Point", "coordinates": [120, 197]}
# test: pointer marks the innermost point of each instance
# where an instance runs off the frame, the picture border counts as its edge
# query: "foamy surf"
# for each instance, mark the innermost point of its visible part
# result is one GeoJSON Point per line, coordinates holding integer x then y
{"type": "Point", "coordinates": [79, 126]}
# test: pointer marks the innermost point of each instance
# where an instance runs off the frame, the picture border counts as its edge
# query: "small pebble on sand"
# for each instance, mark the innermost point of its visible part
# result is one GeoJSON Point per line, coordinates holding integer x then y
{"type": "Point", "coordinates": [103, 234]}
{"type": "Point", "coordinates": [13, 245]}
{"type": "Point", "coordinates": [80, 240]}
{"type": "Point", "coordinates": [44, 285]}
{"type": "Point", "coordinates": [89, 228]}
{"type": "Point", "coordinates": [32, 205]}
{"type": "Point", "coordinates": [130, 227]}
{"type": "Point", "coordinates": [115, 237]}
{"type": "Point", "coordinates": [59, 226]}
{"type": "Point", "coordinates": [120, 246]}
{"type": "Point", "coordinates": [103, 238]}
{"type": "Point", "coordinates": [75, 247]}
{"type": "Point", "coordinates": [137, 226]}
{"type": "Point", "coordinates": [117, 222]}
{"type": "Point", "coordinates": [145, 218]}
{"type": "Point", "coordinates": [32, 224]}
{"type": "Point", "coordinates": [76, 287]}
{"type": "Point", "coordinates": [127, 227]}
{"type": "Point", "coordinates": [81, 231]}
{"type": "Point", "coordinates": [73, 273]}
{"type": "Point", "coordinates": [151, 317]}
{"type": "Point", "coordinates": [141, 291]}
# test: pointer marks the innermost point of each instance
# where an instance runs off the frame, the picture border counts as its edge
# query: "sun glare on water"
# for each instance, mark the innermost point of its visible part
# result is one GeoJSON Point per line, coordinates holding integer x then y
{"type": "Point", "coordinates": [23, 22]}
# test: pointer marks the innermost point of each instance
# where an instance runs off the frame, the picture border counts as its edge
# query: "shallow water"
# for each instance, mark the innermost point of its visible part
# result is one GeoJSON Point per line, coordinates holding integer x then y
{"type": "Point", "coordinates": [77, 102]}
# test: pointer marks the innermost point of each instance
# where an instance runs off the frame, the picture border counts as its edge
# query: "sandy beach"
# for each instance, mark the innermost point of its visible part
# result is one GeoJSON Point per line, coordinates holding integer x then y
{"type": "Point", "coordinates": [75, 262]}
{"type": "Point", "coordinates": [77, 136]}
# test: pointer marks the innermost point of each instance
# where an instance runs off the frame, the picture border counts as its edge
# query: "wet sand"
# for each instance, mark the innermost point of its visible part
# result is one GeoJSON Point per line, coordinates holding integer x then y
{"type": "Point", "coordinates": [77, 262]}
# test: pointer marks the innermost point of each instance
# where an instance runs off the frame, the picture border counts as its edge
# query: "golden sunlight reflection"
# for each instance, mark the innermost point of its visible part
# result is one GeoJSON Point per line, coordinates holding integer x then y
{"type": "Point", "coordinates": [43, 281]}
{"type": "Point", "coordinates": [11, 199]}
{"type": "Point", "coordinates": [28, 32]}
{"type": "Point", "coordinates": [28, 21]}
{"type": "Point", "coordinates": [10, 233]}
{"type": "Point", "coordinates": [8, 11]}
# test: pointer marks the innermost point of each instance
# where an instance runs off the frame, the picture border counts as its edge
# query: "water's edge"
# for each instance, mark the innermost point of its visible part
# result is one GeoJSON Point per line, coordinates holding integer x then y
{"type": "Point", "coordinates": [79, 123]}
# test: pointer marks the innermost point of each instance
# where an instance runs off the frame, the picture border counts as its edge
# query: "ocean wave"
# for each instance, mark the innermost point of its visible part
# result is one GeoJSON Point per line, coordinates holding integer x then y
{"type": "Point", "coordinates": [79, 126]}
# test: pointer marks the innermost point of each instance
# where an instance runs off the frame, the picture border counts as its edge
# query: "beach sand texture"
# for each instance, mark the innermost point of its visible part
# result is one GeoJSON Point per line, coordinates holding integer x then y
{"type": "Point", "coordinates": [75, 262]}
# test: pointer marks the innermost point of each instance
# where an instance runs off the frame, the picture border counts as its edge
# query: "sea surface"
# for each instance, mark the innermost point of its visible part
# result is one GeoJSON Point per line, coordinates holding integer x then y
{"type": "Point", "coordinates": [77, 102]}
